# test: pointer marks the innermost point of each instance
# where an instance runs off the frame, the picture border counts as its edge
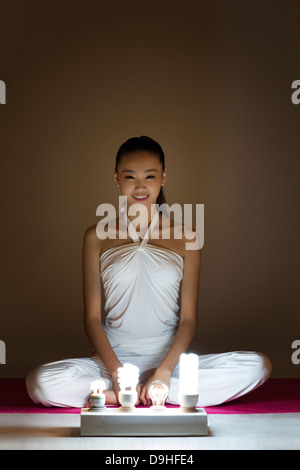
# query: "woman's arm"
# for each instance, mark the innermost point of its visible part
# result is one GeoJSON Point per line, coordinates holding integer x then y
{"type": "Point", "coordinates": [187, 324]}
{"type": "Point", "coordinates": [92, 303]}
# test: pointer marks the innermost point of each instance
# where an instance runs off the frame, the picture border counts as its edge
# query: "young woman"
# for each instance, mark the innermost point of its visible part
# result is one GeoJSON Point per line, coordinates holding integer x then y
{"type": "Point", "coordinates": [141, 274]}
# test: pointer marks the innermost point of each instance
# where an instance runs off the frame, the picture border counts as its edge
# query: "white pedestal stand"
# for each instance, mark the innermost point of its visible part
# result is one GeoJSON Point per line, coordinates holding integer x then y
{"type": "Point", "coordinates": [143, 422]}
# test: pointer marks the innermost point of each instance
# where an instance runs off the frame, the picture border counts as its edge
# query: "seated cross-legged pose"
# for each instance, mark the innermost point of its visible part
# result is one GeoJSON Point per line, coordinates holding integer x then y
{"type": "Point", "coordinates": [141, 274]}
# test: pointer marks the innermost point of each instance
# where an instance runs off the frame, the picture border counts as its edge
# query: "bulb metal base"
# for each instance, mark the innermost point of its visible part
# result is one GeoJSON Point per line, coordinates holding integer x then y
{"type": "Point", "coordinates": [98, 402]}
{"type": "Point", "coordinates": [128, 400]}
{"type": "Point", "coordinates": [188, 402]}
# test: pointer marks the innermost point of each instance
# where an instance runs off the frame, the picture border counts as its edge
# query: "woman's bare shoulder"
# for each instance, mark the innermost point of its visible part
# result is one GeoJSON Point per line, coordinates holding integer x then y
{"type": "Point", "coordinates": [90, 235]}
{"type": "Point", "coordinates": [106, 234]}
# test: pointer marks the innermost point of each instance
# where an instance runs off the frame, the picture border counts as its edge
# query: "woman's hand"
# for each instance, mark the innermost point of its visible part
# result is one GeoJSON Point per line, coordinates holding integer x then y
{"type": "Point", "coordinates": [116, 389]}
{"type": "Point", "coordinates": [138, 389]}
{"type": "Point", "coordinates": [150, 376]}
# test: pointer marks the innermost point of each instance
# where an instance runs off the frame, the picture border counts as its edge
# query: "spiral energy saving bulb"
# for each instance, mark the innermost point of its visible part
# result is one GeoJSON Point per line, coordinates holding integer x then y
{"type": "Point", "coordinates": [128, 378]}
{"type": "Point", "coordinates": [98, 397]}
{"type": "Point", "coordinates": [158, 392]}
{"type": "Point", "coordinates": [188, 381]}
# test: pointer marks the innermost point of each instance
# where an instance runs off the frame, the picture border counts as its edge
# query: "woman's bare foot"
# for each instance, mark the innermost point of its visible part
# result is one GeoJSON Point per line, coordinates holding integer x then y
{"type": "Point", "coordinates": [110, 397]}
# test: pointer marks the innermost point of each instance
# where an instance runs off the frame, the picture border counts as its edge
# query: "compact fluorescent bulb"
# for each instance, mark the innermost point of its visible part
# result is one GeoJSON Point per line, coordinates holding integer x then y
{"type": "Point", "coordinates": [128, 378]}
{"type": "Point", "coordinates": [188, 380]}
{"type": "Point", "coordinates": [98, 397]}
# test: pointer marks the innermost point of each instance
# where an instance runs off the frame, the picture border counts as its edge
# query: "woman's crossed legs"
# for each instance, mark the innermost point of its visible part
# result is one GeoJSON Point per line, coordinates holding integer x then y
{"type": "Point", "coordinates": [221, 378]}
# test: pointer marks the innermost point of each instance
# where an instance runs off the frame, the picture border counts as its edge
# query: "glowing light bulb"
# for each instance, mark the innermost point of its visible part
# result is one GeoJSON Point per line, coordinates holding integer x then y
{"type": "Point", "coordinates": [128, 378]}
{"type": "Point", "coordinates": [158, 392]}
{"type": "Point", "coordinates": [188, 381]}
{"type": "Point", "coordinates": [98, 397]}
{"type": "Point", "coordinates": [188, 374]}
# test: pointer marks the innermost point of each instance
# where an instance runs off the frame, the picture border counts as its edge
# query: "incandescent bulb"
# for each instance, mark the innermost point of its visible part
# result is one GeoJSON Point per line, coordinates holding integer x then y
{"type": "Point", "coordinates": [158, 392]}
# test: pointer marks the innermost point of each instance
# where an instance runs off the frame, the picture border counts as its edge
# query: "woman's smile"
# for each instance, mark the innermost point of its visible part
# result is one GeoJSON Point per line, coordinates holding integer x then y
{"type": "Point", "coordinates": [140, 198]}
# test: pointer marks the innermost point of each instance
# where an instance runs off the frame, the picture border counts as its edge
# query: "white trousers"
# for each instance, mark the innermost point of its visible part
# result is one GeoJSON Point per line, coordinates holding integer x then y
{"type": "Point", "coordinates": [222, 377]}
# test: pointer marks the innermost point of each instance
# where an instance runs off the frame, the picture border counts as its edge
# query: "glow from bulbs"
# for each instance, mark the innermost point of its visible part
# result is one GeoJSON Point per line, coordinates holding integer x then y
{"type": "Point", "coordinates": [128, 377]}
{"type": "Point", "coordinates": [158, 392]}
{"type": "Point", "coordinates": [97, 398]}
{"type": "Point", "coordinates": [188, 382]}
{"type": "Point", "coordinates": [188, 374]}
{"type": "Point", "coordinates": [97, 388]}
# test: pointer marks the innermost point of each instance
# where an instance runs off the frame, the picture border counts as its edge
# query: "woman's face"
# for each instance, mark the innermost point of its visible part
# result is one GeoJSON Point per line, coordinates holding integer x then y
{"type": "Point", "coordinates": [140, 177]}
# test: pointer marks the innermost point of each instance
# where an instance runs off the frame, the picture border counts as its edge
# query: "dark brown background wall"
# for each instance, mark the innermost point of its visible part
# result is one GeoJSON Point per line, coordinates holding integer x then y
{"type": "Point", "coordinates": [209, 80]}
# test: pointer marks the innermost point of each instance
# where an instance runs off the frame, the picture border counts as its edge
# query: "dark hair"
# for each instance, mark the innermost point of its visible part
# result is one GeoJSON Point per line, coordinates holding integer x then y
{"type": "Point", "coordinates": [143, 143]}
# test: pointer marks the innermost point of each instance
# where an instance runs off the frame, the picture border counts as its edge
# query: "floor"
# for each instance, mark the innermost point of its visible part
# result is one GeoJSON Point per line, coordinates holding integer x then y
{"type": "Point", "coordinates": [35, 431]}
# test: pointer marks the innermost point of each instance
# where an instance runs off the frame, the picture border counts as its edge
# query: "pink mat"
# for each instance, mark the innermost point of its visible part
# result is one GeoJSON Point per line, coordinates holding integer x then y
{"type": "Point", "coordinates": [275, 396]}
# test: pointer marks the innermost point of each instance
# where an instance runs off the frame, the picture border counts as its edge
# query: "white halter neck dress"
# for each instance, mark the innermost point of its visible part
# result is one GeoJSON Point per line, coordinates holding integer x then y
{"type": "Point", "coordinates": [141, 283]}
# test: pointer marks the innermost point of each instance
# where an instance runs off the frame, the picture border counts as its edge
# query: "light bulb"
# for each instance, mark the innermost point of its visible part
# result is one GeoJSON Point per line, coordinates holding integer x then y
{"type": "Point", "coordinates": [128, 378]}
{"type": "Point", "coordinates": [188, 381]}
{"type": "Point", "coordinates": [98, 397]}
{"type": "Point", "coordinates": [158, 392]}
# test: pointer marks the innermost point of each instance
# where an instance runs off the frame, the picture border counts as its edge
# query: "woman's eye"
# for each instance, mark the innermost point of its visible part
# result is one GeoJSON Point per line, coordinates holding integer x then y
{"type": "Point", "coordinates": [130, 177]}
